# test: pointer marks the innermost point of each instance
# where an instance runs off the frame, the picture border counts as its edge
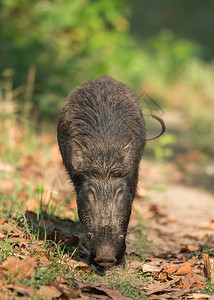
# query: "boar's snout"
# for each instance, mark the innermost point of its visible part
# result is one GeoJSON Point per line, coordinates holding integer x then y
{"type": "Point", "coordinates": [105, 255]}
{"type": "Point", "coordinates": [105, 261]}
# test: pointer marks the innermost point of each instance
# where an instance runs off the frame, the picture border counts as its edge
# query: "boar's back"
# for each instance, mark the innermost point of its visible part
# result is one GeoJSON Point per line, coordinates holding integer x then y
{"type": "Point", "coordinates": [101, 121]}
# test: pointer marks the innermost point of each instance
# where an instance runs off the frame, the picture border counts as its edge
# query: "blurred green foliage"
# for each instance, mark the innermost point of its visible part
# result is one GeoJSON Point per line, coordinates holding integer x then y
{"type": "Point", "coordinates": [48, 47]}
{"type": "Point", "coordinates": [53, 46]}
{"type": "Point", "coordinates": [67, 42]}
{"type": "Point", "coordinates": [171, 54]}
{"type": "Point", "coordinates": [162, 149]}
{"type": "Point", "coordinates": [192, 20]}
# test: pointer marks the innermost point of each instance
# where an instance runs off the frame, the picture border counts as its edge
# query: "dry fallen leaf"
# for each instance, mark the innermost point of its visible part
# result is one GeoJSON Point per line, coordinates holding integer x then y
{"type": "Point", "coordinates": [170, 269]}
{"type": "Point", "coordinates": [23, 290]}
{"type": "Point", "coordinates": [193, 280]}
{"type": "Point", "coordinates": [184, 269]}
{"type": "Point", "coordinates": [208, 267]}
{"type": "Point", "coordinates": [79, 266]}
{"type": "Point", "coordinates": [163, 276]}
{"type": "Point", "coordinates": [150, 268]}
{"type": "Point", "coordinates": [18, 268]}
{"type": "Point", "coordinates": [137, 265]}
{"type": "Point", "coordinates": [158, 287]}
{"type": "Point", "coordinates": [63, 290]}
{"type": "Point", "coordinates": [96, 289]}
{"type": "Point", "coordinates": [75, 294]}
{"type": "Point", "coordinates": [7, 227]}
{"type": "Point", "coordinates": [49, 292]}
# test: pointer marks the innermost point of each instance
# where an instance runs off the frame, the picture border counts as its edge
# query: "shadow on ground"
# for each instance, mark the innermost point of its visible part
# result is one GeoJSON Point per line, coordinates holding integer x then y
{"type": "Point", "coordinates": [69, 235]}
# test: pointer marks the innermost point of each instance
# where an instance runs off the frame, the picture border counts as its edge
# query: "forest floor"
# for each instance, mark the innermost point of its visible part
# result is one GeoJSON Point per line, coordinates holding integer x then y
{"type": "Point", "coordinates": [170, 243]}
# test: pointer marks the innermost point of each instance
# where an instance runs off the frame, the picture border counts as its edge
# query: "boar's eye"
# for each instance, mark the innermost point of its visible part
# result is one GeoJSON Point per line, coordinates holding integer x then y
{"type": "Point", "coordinates": [89, 234]}
{"type": "Point", "coordinates": [121, 236]}
{"type": "Point", "coordinates": [119, 173]}
{"type": "Point", "coordinates": [91, 193]}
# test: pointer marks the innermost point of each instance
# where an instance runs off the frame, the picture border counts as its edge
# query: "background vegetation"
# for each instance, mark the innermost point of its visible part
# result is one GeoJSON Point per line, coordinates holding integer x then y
{"type": "Point", "coordinates": [164, 49]}
{"type": "Point", "coordinates": [50, 47]}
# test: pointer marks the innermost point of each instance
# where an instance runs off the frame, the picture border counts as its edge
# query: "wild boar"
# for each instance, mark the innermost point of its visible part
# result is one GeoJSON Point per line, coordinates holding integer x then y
{"type": "Point", "coordinates": [101, 135]}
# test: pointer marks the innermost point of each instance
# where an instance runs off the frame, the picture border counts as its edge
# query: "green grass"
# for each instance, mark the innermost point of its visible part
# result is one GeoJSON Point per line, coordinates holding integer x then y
{"type": "Point", "coordinates": [209, 289]}
{"type": "Point", "coordinates": [140, 243]}
{"type": "Point", "coordinates": [52, 267]}
{"type": "Point", "coordinates": [14, 200]}
{"type": "Point", "coordinates": [126, 281]}
{"type": "Point", "coordinates": [128, 284]}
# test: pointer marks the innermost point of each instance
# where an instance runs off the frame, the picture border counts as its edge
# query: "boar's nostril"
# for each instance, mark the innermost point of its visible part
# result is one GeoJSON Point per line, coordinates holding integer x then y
{"type": "Point", "coordinates": [105, 261]}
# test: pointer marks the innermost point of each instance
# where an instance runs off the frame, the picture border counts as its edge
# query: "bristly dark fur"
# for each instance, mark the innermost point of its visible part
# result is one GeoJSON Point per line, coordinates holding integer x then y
{"type": "Point", "coordinates": [101, 136]}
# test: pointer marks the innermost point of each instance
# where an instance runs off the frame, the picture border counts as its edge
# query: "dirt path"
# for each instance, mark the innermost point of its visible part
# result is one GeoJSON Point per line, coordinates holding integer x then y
{"type": "Point", "coordinates": [191, 206]}
{"type": "Point", "coordinates": [189, 200]}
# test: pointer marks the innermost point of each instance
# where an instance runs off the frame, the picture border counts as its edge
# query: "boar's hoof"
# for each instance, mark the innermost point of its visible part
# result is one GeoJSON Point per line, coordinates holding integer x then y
{"type": "Point", "coordinates": [105, 261]}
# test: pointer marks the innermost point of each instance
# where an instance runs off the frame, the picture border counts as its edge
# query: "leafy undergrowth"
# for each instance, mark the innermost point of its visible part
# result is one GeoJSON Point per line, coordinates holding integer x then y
{"type": "Point", "coordinates": [44, 252]}
{"type": "Point", "coordinates": [43, 256]}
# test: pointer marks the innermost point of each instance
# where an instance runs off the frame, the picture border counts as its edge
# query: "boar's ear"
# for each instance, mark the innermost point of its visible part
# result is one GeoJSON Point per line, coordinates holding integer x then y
{"type": "Point", "coordinates": [77, 157]}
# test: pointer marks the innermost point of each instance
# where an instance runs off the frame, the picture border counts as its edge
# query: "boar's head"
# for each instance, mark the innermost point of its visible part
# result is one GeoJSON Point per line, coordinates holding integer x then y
{"type": "Point", "coordinates": [105, 180]}
{"type": "Point", "coordinates": [105, 213]}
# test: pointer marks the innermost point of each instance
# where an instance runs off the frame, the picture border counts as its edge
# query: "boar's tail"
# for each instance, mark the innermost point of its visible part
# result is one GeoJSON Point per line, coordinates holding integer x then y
{"type": "Point", "coordinates": [163, 128]}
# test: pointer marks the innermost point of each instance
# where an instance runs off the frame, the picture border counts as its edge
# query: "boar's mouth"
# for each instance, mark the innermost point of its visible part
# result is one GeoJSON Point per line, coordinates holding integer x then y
{"type": "Point", "coordinates": [105, 261]}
